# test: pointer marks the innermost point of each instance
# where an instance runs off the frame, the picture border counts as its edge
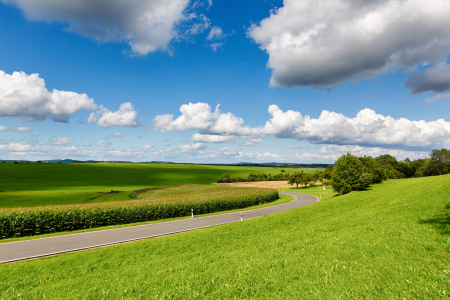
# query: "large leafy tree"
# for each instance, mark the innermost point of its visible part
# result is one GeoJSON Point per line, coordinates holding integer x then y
{"type": "Point", "coordinates": [297, 178]}
{"type": "Point", "coordinates": [350, 174]}
{"type": "Point", "coordinates": [440, 161]}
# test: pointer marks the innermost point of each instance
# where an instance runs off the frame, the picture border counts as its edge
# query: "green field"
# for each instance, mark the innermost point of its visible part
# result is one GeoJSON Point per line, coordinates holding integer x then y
{"type": "Point", "coordinates": [389, 242]}
{"type": "Point", "coordinates": [25, 185]}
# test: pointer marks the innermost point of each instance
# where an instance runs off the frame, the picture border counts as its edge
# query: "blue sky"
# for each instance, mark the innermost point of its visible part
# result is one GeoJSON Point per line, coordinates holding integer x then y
{"type": "Point", "coordinates": [296, 81]}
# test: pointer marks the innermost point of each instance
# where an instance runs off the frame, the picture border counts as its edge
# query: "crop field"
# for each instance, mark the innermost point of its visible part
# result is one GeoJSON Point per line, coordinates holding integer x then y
{"type": "Point", "coordinates": [150, 204]}
{"type": "Point", "coordinates": [391, 241]}
{"type": "Point", "coordinates": [25, 185]}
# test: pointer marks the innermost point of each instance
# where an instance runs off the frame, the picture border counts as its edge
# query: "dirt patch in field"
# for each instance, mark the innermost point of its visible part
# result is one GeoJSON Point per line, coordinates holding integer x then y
{"type": "Point", "coordinates": [260, 184]}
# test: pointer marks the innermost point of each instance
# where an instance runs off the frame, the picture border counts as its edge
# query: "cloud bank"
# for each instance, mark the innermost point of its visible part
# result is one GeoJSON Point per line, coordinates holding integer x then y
{"type": "Point", "coordinates": [325, 43]}
{"type": "Point", "coordinates": [367, 128]}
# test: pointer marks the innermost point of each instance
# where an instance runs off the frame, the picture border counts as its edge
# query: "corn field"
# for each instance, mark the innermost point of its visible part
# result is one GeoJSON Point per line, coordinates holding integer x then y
{"type": "Point", "coordinates": [43, 220]}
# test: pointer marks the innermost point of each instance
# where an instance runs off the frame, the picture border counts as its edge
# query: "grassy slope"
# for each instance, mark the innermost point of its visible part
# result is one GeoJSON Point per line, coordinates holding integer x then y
{"type": "Point", "coordinates": [391, 242]}
{"type": "Point", "coordinates": [54, 184]}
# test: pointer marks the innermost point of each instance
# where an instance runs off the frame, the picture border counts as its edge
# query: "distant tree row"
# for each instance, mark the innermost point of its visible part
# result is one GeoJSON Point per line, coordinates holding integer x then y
{"type": "Point", "coordinates": [225, 178]}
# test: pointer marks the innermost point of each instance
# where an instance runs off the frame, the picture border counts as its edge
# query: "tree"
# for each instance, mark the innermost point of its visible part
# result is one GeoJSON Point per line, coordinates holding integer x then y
{"type": "Point", "coordinates": [225, 178]}
{"type": "Point", "coordinates": [296, 178]}
{"type": "Point", "coordinates": [350, 174]}
{"type": "Point", "coordinates": [440, 160]}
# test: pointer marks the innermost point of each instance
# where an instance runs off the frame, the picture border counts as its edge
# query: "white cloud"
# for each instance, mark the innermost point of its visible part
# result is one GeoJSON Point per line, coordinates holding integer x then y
{"type": "Point", "coordinates": [193, 147]}
{"type": "Point", "coordinates": [210, 138]}
{"type": "Point", "coordinates": [17, 129]}
{"type": "Point", "coordinates": [166, 140]}
{"type": "Point", "coordinates": [269, 144]}
{"type": "Point", "coordinates": [214, 46]}
{"type": "Point", "coordinates": [253, 141]}
{"type": "Point", "coordinates": [117, 134]}
{"type": "Point", "coordinates": [88, 144]}
{"type": "Point", "coordinates": [146, 26]}
{"type": "Point", "coordinates": [210, 3]}
{"type": "Point", "coordinates": [333, 152]}
{"type": "Point", "coordinates": [61, 141]}
{"type": "Point", "coordinates": [324, 43]}
{"type": "Point", "coordinates": [367, 128]}
{"type": "Point", "coordinates": [196, 116]}
{"type": "Point", "coordinates": [125, 116]}
{"type": "Point", "coordinates": [435, 78]}
{"type": "Point", "coordinates": [104, 143]}
{"type": "Point", "coordinates": [436, 98]}
{"type": "Point", "coordinates": [215, 33]}
{"type": "Point", "coordinates": [297, 146]}
{"type": "Point", "coordinates": [148, 147]}
{"type": "Point", "coordinates": [23, 95]}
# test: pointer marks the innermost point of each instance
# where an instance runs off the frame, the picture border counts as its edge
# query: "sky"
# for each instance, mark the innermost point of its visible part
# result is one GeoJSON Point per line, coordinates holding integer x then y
{"type": "Point", "coordinates": [211, 81]}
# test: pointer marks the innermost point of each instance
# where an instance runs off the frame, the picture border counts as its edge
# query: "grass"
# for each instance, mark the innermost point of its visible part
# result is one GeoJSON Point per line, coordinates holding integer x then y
{"type": "Point", "coordinates": [389, 242]}
{"type": "Point", "coordinates": [315, 191]}
{"type": "Point", "coordinates": [26, 185]}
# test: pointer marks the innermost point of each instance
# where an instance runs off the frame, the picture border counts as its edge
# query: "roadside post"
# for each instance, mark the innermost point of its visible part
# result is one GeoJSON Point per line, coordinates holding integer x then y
{"type": "Point", "coordinates": [192, 212]}
{"type": "Point", "coordinates": [241, 216]}
{"type": "Point", "coordinates": [324, 188]}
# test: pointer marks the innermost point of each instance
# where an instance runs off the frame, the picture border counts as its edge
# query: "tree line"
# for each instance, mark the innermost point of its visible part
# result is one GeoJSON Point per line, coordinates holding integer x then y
{"type": "Point", "coordinates": [350, 172]}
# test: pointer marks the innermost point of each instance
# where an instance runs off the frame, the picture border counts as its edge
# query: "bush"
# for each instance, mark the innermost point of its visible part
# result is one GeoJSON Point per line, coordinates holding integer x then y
{"type": "Point", "coordinates": [225, 178]}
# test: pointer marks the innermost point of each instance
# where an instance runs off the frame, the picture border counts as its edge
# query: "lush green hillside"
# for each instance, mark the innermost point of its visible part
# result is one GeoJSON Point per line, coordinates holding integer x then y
{"type": "Point", "coordinates": [45, 184]}
{"type": "Point", "coordinates": [390, 242]}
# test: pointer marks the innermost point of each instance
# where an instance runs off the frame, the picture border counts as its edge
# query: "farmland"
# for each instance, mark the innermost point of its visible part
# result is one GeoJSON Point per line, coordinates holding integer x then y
{"type": "Point", "coordinates": [26, 185]}
{"type": "Point", "coordinates": [388, 242]}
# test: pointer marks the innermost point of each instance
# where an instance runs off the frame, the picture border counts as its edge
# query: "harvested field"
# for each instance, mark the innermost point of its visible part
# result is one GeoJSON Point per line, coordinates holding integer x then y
{"type": "Point", "coordinates": [260, 184]}
{"type": "Point", "coordinates": [264, 184]}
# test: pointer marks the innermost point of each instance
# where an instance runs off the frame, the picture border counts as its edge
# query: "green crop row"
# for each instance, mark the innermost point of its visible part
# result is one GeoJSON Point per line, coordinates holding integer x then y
{"type": "Point", "coordinates": [35, 222]}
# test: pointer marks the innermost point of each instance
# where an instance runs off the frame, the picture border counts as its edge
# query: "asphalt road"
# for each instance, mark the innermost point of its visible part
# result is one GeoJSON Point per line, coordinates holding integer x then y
{"type": "Point", "coordinates": [22, 250]}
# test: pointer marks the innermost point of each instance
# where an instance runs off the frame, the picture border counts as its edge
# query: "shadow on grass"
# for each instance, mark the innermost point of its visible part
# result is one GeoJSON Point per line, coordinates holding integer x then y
{"type": "Point", "coordinates": [440, 221]}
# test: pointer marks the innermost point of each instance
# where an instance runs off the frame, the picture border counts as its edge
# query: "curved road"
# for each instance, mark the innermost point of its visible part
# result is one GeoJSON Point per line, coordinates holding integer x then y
{"type": "Point", "coordinates": [22, 250]}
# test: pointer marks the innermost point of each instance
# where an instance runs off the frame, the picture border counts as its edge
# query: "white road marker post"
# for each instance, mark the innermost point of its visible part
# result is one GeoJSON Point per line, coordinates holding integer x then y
{"type": "Point", "coordinates": [241, 216]}
{"type": "Point", "coordinates": [192, 212]}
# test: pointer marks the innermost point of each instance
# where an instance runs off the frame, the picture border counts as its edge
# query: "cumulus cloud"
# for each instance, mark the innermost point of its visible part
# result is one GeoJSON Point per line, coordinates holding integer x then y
{"type": "Point", "coordinates": [435, 78]}
{"type": "Point", "coordinates": [125, 116]}
{"type": "Point", "coordinates": [148, 147]}
{"type": "Point", "coordinates": [146, 26]}
{"type": "Point", "coordinates": [297, 146]}
{"type": "Point", "coordinates": [269, 144]}
{"type": "Point", "coordinates": [436, 98]}
{"type": "Point", "coordinates": [209, 138]}
{"type": "Point", "coordinates": [367, 128]}
{"type": "Point", "coordinates": [17, 129]}
{"type": "Point", "coordinates": [23, 95]}
{"type": "Point", "coordinates": [324, 43]}
{"type": "Point", "coordinates": [166, 140]}
{"type": "Point", "coordinates": [61, 141]}
{"type": "Point", "coordinates": [193, 147]}
{"type": "Point", "coordinates": [193, 116]}
{"type": "Point", "coordinates": [117, 134]}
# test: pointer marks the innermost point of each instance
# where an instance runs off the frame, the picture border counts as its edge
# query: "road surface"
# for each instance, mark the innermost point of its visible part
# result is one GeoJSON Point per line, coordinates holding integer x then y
{"type": "Point", "coordinates": [22, 250]}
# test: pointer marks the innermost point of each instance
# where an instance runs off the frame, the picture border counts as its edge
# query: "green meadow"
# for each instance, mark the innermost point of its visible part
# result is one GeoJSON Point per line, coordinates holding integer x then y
{"type": "Point", "coordinates": [25, 185]}
{"type": "Point", "coordinates": [391, 241]}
